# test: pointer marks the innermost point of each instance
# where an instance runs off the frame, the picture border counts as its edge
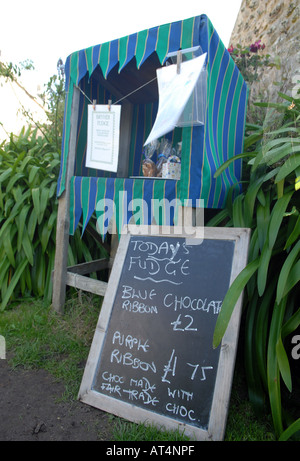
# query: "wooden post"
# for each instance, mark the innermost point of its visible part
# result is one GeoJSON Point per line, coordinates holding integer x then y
{"type": "Point", "coordinates": [63, 216]}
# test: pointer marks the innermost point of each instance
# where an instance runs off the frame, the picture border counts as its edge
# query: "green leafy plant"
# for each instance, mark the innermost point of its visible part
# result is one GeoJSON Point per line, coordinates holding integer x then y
{"type": "Point", "coordinates": [249, 60]}
{"type": "Point", "coordinates": [29, 168]}
{"type": "Point", "coordinates": [54, 102]}
{"type": "Point", "coordinates": [269, 205]}
{"type": "Point", "coordinates": [27, 215]}
{"type": "Point", "coordinates": [51, 101]}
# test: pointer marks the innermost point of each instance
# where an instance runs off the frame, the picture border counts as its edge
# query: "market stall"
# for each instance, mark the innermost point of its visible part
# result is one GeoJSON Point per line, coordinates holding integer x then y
{"type": "Point", "coordinates": [123, 72]}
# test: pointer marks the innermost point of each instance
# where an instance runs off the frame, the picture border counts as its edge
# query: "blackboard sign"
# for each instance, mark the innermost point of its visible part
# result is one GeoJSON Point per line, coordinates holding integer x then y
{"type": "Point", "coordinates": [152, 358]}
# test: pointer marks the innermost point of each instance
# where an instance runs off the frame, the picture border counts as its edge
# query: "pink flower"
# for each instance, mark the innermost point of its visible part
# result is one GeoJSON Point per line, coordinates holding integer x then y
{"type": "Point", "coordinates": [256, 46]}
{"type": "Point", "coordinates": [231, 49]}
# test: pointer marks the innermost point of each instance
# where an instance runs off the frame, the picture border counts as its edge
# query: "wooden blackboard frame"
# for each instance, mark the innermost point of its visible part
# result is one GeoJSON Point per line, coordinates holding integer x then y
{"type": "Point", "coordinates": [225, 370]}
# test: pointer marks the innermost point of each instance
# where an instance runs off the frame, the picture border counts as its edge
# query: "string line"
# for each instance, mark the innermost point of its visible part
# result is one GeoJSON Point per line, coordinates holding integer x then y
{"type": "Point", "coordinates": [124, 97]}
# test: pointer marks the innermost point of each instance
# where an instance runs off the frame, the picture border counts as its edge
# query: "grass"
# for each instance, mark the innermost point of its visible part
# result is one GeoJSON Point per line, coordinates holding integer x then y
{"type": "Point", "coordinates": [38, 337]}
{"type": "Point", "coordinates": [242, 424]}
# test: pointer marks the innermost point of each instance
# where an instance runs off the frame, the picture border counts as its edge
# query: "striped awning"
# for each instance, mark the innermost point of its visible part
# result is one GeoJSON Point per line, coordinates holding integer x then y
{"type": "Point", "coordinates": [121, 198]}
{"type": "Point", "coordinates": [132, 59]}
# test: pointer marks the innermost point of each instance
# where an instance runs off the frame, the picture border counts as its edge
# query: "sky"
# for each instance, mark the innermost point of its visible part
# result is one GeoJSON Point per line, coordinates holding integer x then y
{"type": "Point", "coordinates": [46, 31]}
{"type": "Point", "coordinates": [43, 32]}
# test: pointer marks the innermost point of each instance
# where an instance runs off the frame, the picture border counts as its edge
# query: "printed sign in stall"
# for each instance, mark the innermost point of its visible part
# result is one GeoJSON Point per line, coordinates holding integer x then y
{"type": "Point", "coordinates": [103, 137]}
{"type": "Point", "coordinates": [152, 357]}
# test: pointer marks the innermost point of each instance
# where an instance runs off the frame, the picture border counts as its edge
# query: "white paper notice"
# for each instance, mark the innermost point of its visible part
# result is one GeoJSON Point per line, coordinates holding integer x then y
{"type": "Point", "coordinates": [103, 137]}
{"type": "Point", "coordinates": [174, 92]}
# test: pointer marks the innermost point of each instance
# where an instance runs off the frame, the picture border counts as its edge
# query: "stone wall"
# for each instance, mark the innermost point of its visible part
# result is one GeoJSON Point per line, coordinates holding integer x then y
{"type": "Point", "coordinates": [277, 24]}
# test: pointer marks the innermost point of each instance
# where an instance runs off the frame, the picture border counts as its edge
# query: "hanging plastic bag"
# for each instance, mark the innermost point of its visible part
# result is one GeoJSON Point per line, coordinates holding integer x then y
{"type": "Point", "coordinates": [174, 92]}
{"type": "Point", "coordinates": [149, 166]}
{"type": "Point", "coordinates": [165, 151]}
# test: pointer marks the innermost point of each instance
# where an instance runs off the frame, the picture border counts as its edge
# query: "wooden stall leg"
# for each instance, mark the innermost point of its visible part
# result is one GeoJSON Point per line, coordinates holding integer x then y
{"type": "Point", "coordinates": [63, 217]}
{"type": "Point", "coordinates": [61, 256]}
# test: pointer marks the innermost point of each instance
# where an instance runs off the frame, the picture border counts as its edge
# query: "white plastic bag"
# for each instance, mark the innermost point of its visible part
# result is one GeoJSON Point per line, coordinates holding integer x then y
{"type": "Point", "coordinates": [174, 91]}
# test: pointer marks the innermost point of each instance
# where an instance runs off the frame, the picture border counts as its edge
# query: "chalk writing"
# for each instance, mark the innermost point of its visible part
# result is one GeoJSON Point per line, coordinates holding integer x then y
{"type": "Point", "coordinates": [144, 383]}
{"type": "Point", "coordinates": [130, 341]}
{"type": "Point", "coordinates": [111, 388]}
{"type": "Point", "coordinates": [112, 378]}
{"type": "Point", "coordinates": [195, 368]}
{"type": "Point", "coordinates": [180, 393]}
{"type": "Point", "coordinates": [170, 367]}
{"type": "Point", "coordinates": [159, 260]}
{"type": "Point", "coordinates": [138, 307]}
{"type": "Point", "coordinates": [144, 392]}
{"type": "Point", "coordinates": [178, 325]}
{"type": "Point", "coordinates": [129, 293]}
{"type": "Point", "coordinates": [112, 383]}
{"type": "Point", "coordinates": [164, 248]}
{"type": "Point", "coordinates": [141, 395]}
{"type": "Point", "coordinates": [157, 281]}
{"type": "Point", "coordinates": [129, 360]}
{"type": "Point", "coordinates": [186, 302]}
{"type": "Point", "coordinates": [180, 410]}
{"type": "Point", "coordinates": [158, 353]}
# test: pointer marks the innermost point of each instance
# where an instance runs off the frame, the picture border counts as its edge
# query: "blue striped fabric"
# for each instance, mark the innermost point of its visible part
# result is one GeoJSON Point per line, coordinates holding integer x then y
{"type": "Point", "coordinates": [204, 148]}
{"type": "Point", "coordinates": [121, 198]}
